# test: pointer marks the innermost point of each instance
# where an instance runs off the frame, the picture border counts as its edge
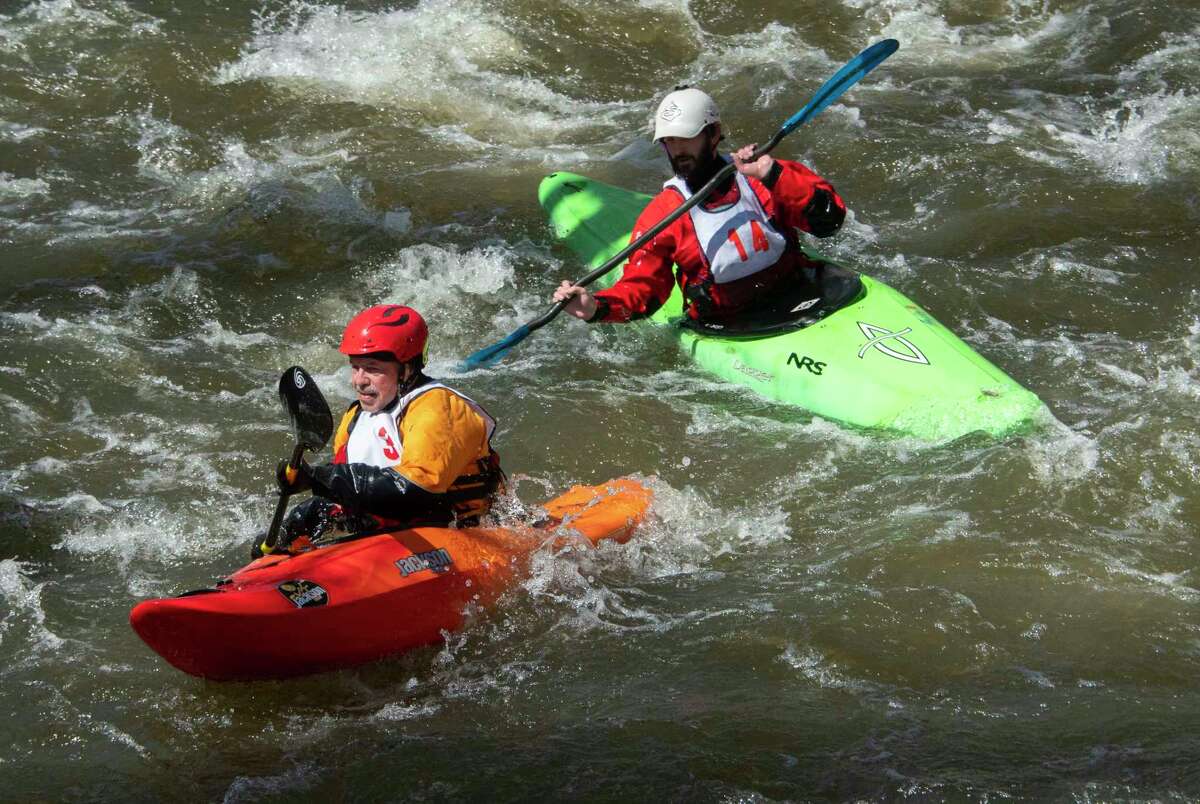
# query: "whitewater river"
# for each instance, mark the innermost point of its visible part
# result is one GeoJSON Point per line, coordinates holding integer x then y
{"type": "Point", "coordinates": [195, 194]}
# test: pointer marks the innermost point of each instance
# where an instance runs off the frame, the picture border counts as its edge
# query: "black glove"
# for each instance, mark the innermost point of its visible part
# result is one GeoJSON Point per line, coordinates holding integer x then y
{"type": "Point", "coordinates": [364, 489]}
{"type": "Point", "coordinates": [824, 217]}
{"type": "Point", "coordinates": [293, 481]}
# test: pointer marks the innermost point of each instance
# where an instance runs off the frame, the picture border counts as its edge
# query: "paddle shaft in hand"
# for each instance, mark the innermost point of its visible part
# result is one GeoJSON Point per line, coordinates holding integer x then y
{"type": "Point", "coordinates": [830, 91]}
{"type": "Point", "coordinates": [312, 423]}
{"type": "Point", "coordinates": [281, 506]}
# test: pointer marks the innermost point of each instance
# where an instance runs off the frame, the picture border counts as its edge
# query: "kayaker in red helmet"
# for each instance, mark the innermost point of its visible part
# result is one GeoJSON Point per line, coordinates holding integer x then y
{"type": "Point", "coordinates": [737, 251]}
{"type": "Point", "coordinates": [409, 451]}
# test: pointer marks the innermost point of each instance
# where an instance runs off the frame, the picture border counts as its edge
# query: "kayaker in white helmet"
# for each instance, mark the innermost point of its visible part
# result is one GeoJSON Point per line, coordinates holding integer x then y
{"type": "Point", "coordinates": [409, 451]}
{"type": "Point", "coordinates": [738, 251]}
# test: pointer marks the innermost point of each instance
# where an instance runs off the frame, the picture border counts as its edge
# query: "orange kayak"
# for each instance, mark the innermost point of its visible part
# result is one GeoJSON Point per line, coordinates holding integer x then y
{"type": "Point", "coordinates": [361, 600]}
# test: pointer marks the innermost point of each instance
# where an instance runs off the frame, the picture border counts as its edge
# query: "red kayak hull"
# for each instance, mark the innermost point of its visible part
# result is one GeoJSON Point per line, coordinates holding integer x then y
{"type": "Point", "coordinates": [362, 600]}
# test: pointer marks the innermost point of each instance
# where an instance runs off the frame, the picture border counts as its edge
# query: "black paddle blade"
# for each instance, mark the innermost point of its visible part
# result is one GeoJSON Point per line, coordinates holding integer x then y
{"type": "Point", "coordinates": [306, 407]}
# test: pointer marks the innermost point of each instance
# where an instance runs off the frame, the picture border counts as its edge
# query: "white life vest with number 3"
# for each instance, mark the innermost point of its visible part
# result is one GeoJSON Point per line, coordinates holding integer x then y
{"type": "Point", "coordinates": [737, 239]}
{"type": "Point", "coordinates": [375, 437]}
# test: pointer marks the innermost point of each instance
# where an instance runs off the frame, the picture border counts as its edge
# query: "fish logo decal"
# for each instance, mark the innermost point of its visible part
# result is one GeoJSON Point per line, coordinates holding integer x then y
{"type": "Point", "coordinates": [879, 338]}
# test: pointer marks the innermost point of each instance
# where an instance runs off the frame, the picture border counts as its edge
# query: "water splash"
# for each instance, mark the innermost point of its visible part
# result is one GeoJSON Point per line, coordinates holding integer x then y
{"type": "Point", "coordinates": [1144, 140]}
{"type": "Point", "coordinates": [443, 62]}
{"type": "Point", "coordinates": [25, 615]}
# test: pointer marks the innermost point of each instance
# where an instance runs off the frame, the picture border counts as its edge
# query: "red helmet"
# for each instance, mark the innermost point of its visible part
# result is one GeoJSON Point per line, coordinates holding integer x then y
{"type": "Point", "coordinates": [389, 328]}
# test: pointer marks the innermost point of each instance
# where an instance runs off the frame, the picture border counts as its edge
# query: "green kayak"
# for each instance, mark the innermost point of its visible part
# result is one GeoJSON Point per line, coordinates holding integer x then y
{"type": "Point", "coordinates": [865, 355]}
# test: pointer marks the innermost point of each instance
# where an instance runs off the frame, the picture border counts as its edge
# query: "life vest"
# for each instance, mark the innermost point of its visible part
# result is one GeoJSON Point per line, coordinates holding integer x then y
{"type": "Point", "coordinates": [736, 239]}
{"type": "Point", "coordinates": [374, 439]}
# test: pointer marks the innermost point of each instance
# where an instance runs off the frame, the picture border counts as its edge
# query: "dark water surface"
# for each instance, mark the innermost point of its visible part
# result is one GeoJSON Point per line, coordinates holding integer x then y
{"type": "Point", "coordinates": [194, 195]}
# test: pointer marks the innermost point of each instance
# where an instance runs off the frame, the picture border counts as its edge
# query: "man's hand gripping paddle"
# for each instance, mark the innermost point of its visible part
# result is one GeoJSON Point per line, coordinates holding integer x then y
{"type": "Point", "coordinates": [830, 91]}
{"type": "Point", "coordinates": [311, 422]}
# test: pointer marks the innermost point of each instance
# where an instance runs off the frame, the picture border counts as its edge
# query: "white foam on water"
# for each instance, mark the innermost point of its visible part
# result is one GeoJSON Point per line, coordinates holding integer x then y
{"type": "Point", "coordinates": [709, 419]}
{"type": "Point", "coordinates": [1061, 260]}
{"type": "Point", "coordinates": [21, 413]}
{"type": "Point", "coordinates": [756, 530]}
{"type": "Point", "coordinates": [102, 333]}
{"type": "Point", "coordinates": [12, 187]}
{"type": "Point", "coordinates": [1183, 448]}
{"type": "Point", "coordinates": [1177, 381]}
{"type": "Point", "coordinates": [438, 280]}
{"type": "Point", "coordinates": [44, 14]}
{"type": "Point", "coordinates": [1160, 514]}
{"type": "Point", "coordinates": [18, 132]}
{"type": "Point", "coordinates": [85, 221]}
{"type": "Point", "coordinates": [572, 578]}
{"type": "Point", "coordinates": [118, 332]}
{"type": "Point", "coordinates": [79, 504]}
{"type": "Point", "coordinates": [305, 173]}
{"type": "Point", "coordinates": [926, 38]}
{"type": "Point", "coordinates": [1166, 584]}
{"type": "Point", "coordinates": [603, 345]}
{"type": "Point", "coordinates": [274, 173]}
{"type": "Point", "coordinates": [442, 61]}
{"type": "Point", "coordinates": [780, 420]}
{"type": "Point", "coordinates": [687, 531]}
{"type": "Point", "coordinates": [1035, 631]}
{"type": "Point", "coordinates": [24, 600]}
{"type": "Point", "coordinates": [169, 460]}
{"type": "Point", "coordinates": [814, 666]}
{"type": "Point", "coordinates": [163, 532]}
{"type": "Point", "coordinates": [300, 777]}
{"type": "Point", "coordinates": [1060, 455]}
{"type": "Point", "coordinates": [433, 275]}
{"type": "Point", "coordinates": [215, 335]}
{"type": "Point", "coordinates": [29, 321]}
{"type": "Point", "coordinates": [1181, 51]}
{"type": "Point", "coordinates": [956, 525]}
{"type": "Point", "coordinates": [680, 7]}
{"type": "Point", "coordinates": [68, 28]}
{"type": "Point", "coordinates": [396, 712]}
{"type": "Point", "coordinates": [48, 466]}
{"type": "Point", "coordinates": [487, 153]}
{"type": "Point", "coordinates": [1146, 139]}
{"type": "Point", "coordinates": [1036, 677]}
{"type": "Point", "coordinates": [776, 45]}
{"type": "Point", "coordinates": [1123, 376]}
{"type": "Point", "coordinates": [568, 575]}
{"type": "Point", "coordinates": [237, 172]}
{"type": "Point", "coordinates": [118, 736]}
{"type": "Point", "coordinates": [999, 128]}
{"type": "Point", "coordinates": [163, 152]}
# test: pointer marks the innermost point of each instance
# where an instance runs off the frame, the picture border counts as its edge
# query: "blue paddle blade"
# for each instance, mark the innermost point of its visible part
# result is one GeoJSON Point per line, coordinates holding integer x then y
{"type": "Point", "coordinates": [845, 78]}
{"type": "Point", "coordinates": [490, 354]}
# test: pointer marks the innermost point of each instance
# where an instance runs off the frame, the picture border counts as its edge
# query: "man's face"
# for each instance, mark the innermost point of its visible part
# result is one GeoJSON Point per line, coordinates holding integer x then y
{"type": "Point", "coordinates": [375, 382]}
{"type": "Point", "coordinates": [688, 153]}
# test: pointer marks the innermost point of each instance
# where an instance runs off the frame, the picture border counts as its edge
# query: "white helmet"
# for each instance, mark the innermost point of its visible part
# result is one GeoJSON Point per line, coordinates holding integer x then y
{"type": "Point", "coordinates": [684, 113]}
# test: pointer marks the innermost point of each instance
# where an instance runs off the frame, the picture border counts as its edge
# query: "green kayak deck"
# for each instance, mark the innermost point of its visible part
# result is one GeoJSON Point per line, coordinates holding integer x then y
{"type": "Point", "coordinates": [878, 362]}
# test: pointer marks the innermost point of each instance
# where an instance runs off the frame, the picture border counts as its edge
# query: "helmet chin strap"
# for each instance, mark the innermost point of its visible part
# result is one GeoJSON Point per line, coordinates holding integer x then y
{"type": "Point", "coordinates": [411, 379]}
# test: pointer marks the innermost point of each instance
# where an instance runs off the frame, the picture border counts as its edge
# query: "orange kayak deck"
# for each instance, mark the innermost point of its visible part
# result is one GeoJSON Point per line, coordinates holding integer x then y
{"type": "Point", "coordinates": [357, 601]}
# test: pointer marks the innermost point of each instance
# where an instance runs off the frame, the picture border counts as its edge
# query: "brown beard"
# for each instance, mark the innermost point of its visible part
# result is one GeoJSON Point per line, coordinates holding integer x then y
{"type": "Point", "coordinates": [701, 169]}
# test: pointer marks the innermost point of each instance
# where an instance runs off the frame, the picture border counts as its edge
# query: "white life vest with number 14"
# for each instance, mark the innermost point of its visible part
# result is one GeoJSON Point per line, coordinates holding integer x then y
{"type": "Point", "coordinates": [737, 239]}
